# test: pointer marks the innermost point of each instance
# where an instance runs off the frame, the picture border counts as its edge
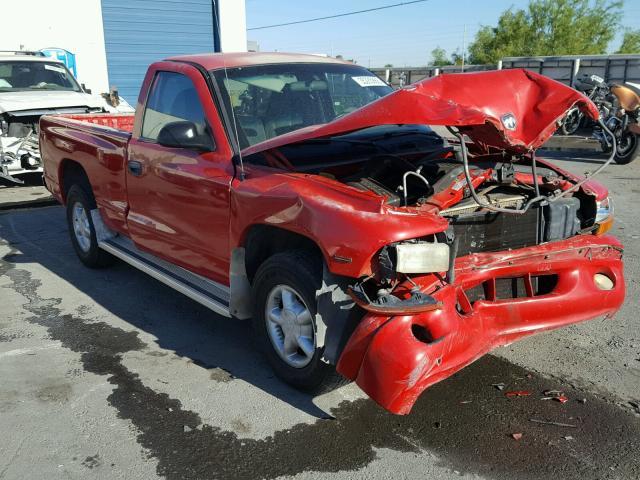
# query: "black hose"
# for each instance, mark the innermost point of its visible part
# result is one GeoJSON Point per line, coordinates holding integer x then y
{"type": "Point", "coordinates": [474, 195]}
{"type": "Point", "coordinates": [534, 171]}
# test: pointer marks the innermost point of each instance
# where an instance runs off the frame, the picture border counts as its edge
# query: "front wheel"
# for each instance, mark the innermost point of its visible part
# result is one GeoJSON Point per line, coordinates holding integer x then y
{"type": "Point", "coordinates": [628, 148]}
{"type": "Point", "coordinates": [571, 122]}
{"type": "Point", "coordinates": [284, 320]}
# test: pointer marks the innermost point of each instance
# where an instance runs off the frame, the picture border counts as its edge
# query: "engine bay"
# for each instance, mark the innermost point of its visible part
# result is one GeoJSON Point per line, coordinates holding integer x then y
{"type": "Point", "coordinates": [412, 166]}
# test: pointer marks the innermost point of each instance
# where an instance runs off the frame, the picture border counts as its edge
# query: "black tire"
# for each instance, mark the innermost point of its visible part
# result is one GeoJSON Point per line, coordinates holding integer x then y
{"type": "Point", "coordinates": [630, 151]}
{"type": "Point", "coordinates": [301, 271]}
{"type": "Point", "coordinates": [93, 257]}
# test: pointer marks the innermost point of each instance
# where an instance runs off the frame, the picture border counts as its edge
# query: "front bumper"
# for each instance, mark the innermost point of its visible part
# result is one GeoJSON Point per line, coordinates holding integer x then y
{"type": "Point", "coordinates": [394, 359]}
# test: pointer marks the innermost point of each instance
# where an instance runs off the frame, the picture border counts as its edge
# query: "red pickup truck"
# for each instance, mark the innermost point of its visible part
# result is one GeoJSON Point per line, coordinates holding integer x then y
{"type": "Point", "coordinates": [393, 236]}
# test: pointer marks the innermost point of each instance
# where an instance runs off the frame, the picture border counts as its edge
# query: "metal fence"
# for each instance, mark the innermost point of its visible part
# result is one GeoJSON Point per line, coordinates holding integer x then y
{"type": "Point", "coordinates": [613, 68]}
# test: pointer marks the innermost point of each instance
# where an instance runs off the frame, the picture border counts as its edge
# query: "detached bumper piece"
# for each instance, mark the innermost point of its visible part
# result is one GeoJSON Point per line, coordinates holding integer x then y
{"type": "Point", "coordinates": [389, 304]}
{"type": "Point", "coordinates": [497, 298]}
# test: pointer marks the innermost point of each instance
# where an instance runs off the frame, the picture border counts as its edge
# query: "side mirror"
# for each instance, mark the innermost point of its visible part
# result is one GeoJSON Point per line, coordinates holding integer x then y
{"type": "Point", "coordinates": [85, 89]}
{"type": "Point", "coordinates": [184, 134]}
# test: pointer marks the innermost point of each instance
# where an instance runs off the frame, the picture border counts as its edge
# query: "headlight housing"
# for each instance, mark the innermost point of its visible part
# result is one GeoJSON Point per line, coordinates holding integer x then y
{"type": "Point", "coordinates": [604, 216]}
{"type": "Point", "coordinates": [604, 209]}
{"type": "Point", "coordinates": [421, 257]}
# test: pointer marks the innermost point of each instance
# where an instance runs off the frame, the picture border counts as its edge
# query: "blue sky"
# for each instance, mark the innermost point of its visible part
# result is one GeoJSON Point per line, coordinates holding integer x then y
{"type": "Point", "coordinates": [402, 36]}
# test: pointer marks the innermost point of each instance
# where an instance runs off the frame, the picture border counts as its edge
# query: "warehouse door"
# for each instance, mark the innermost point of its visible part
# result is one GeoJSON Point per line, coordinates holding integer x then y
{"type": "Point", "coordinates": [139, 32]}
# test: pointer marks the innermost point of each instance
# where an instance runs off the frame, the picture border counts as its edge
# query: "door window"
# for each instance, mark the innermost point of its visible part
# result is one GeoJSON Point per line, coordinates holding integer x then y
{"type": "Point", "coordinates": [172, 98]}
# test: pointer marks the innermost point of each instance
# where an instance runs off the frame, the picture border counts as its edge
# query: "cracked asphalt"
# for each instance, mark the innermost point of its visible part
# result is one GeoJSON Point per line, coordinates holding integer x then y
{"type": "Point", "coordinates": [111, 375]}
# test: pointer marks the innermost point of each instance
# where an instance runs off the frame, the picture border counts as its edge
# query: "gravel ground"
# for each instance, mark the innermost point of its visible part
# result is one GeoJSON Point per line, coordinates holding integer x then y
{"type": "Point", "coordinates": [109, 374]}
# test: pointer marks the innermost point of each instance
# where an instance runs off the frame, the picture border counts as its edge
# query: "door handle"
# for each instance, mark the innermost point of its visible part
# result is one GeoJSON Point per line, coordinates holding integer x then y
{"type": "Point", "coordinates": [134, 167]}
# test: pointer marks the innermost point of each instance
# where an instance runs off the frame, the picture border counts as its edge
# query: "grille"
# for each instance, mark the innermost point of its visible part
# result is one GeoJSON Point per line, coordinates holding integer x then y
{"type": "Point", "coordinates": [493, 232]}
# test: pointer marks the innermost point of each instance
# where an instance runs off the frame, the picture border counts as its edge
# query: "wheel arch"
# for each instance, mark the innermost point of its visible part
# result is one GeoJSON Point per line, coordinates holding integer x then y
{"type": "Point", "coordinates": [262, 241]}
{"type": "Point", "coordinates": [71, 172]}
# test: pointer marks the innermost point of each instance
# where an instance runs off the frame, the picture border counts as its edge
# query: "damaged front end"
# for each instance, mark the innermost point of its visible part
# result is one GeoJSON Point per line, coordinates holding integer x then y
{"type": "Point", "coordinates": [495, 299]}
{"type": "Point", "coordinates": [19, 148]}
{"type": "Point", "coordinates": [495, 244]}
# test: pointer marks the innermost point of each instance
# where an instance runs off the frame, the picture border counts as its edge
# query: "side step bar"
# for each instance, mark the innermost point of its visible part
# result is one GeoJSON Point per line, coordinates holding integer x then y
{"type": "Point", "coordinates": [212, 295]}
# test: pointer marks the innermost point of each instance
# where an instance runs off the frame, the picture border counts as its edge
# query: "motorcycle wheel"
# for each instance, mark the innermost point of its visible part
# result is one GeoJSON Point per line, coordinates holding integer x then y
{"type": "Point", "coordinates": [571, 122]}
{"type": "Point", "coordinates": [628, 148]}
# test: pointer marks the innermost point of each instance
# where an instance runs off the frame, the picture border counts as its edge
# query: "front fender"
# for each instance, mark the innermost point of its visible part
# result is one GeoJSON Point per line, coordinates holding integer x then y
{"type": "Point", "coordinates": [349, 226]}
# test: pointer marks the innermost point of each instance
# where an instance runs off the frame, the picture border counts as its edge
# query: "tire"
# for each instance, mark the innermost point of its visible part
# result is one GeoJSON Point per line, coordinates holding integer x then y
{"type": "Point", "coordinates": [571, 122]}
{"type": "Point", "coordinates": [631, 149]}
{"type": "Point", "coordinates": [82, 231]}
{"type": "Point", "coordinates": [299, 272]}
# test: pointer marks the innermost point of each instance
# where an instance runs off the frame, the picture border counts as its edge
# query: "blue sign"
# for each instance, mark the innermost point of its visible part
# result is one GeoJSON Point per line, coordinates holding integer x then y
{"type": "Point", "coordinates": [65, 56]}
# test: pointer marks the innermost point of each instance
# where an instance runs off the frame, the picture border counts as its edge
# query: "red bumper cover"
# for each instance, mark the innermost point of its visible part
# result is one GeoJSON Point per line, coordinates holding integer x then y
{"type": "Point", "coordinates": [394, 359]}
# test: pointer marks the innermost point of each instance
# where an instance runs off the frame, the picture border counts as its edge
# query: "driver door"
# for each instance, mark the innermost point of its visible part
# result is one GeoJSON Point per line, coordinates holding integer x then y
{"type": "Point", "coordinates": [179, 197]}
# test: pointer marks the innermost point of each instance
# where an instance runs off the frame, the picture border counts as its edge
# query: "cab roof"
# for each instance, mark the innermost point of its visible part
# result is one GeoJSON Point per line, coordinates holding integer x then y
{"type": "Point", "coordinates": [214, 61]}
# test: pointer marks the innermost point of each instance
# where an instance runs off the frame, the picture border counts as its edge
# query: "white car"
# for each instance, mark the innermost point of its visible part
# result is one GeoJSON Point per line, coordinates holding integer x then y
{"type": "Point", "coordinates": [32, 85]}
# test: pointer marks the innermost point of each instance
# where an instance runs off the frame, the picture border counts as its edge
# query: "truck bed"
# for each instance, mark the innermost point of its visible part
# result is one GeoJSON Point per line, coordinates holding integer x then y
{"type": "Point", "coordinates": [118, 121]}
{"type": "Point", "coordinates": [96, 142]}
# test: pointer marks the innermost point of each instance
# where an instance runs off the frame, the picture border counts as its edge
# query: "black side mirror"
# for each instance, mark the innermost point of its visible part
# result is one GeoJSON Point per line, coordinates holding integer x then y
{"type": "Point", "coordinates": [184, 134]}
{"type": "Point", "coordinates": [85, 89]}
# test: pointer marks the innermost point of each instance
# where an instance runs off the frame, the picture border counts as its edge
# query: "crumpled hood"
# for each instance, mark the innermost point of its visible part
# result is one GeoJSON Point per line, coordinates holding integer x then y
{"type": "Point", "coordinates": [43, 99]}
{"type": "Point", "coordinates": [514, 110]}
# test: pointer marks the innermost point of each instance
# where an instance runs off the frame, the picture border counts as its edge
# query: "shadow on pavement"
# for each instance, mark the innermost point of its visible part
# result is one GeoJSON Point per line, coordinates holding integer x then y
{"type": "Point", "coordinates": [178, 323]}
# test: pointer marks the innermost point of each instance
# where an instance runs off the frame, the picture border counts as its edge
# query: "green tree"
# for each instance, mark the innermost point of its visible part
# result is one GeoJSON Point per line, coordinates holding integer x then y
{"type": "Point", "coordinates": [388, 65]}
{"type": "Point", "coordinates": [456, 58]}
{"type": "Point", "coordinates": [630, 42]}
{"type": "Point", "coordinates": [549, 27]}
{"type": "Point", "coordinates": [439, 57]}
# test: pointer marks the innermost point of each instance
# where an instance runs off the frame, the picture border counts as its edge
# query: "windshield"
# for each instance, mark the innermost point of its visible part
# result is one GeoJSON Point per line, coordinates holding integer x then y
{"type": "Point", "coordinates": [19, 76]}
{"type": "Point", "coordinates": [271, 100]}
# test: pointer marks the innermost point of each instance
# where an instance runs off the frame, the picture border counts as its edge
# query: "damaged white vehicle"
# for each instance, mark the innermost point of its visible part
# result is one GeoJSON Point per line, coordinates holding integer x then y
{"type": "Point", "coordinates": [32, 85]}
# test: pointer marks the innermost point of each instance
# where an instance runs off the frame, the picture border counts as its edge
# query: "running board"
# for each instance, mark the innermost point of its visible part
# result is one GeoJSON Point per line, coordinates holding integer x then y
{"type": "Point", "coordinates": [212, 295]}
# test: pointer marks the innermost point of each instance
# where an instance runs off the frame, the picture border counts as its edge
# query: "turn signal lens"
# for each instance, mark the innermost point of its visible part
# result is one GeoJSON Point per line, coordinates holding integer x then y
{"type": "Point", "coordinates": [604, 226]}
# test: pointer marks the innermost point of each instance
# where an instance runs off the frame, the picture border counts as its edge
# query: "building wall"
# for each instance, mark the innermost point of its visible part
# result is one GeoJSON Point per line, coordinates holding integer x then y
{"type": "Point", "coordinates": [75, 25]}
{"type": "Point", "coordinates": [137, 32]}
{"type": "Point", "coordinates": [233, 25]}
{"type": "Point", "coordinates": [140, 32]}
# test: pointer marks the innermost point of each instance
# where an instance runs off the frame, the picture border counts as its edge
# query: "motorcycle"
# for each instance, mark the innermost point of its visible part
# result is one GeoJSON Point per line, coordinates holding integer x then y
{"type": "Point", "coordinates": [623, 120]}
{"type": "Point", "coordinates": [596, 89]}
{"type": "Point", "coordinates": [619, 107]}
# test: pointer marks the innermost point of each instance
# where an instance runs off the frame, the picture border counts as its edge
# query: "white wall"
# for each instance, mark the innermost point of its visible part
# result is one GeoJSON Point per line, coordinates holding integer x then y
{"type": "Point", "coordinates": [233, 25]}
{"type": "Point", "coordinates": [75, 25]}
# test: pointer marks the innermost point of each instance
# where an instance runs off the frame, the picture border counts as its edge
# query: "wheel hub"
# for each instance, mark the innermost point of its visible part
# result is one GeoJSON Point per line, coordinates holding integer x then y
{"type": "Point", "coordinates": [290, 326]}
{"type": "Point", "coordinates": [81, 226]}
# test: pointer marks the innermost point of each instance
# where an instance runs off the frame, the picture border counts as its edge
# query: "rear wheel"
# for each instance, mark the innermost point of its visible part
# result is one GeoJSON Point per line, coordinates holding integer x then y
{"type": "Point", "coordinates": [284, 320]}
{"type": "Point", "coordinates": [628, 148]}
{"type": "Point", "coordinates": [82, 231]}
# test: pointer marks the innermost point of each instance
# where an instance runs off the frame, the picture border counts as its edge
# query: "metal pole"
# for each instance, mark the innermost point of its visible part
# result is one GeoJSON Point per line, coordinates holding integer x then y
{"type": "Point", "coordinates": [464, 45]}
{"type": "Point", "coordinates": [574, 72]}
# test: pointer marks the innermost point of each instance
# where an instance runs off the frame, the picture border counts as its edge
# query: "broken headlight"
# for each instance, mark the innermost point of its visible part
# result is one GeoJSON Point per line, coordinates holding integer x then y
{"type": "Point", "coordinates": [604, 209]}
{"type": "Point", "coordinates": [604, 216]}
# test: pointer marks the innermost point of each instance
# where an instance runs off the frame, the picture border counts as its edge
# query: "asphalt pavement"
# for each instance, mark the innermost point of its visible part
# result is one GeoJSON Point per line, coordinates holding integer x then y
{"type": "Point", "coordinates": [108, 374]}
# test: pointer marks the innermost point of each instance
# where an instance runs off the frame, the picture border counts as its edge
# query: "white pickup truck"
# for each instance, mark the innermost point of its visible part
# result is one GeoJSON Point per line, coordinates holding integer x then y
{"type": "Point", "coordinates": [32, 85]}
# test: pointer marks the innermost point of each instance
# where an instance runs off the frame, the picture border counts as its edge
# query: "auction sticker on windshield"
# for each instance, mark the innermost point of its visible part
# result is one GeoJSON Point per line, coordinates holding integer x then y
{"type": "Point", "coordinates": [54, 68]}
{"type": "Point", "coordinates": [368, 81]}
